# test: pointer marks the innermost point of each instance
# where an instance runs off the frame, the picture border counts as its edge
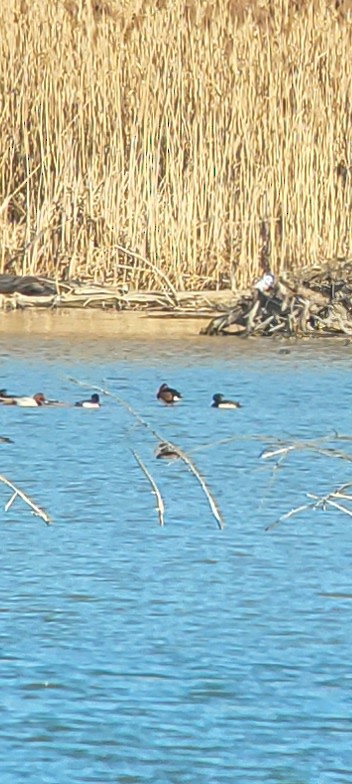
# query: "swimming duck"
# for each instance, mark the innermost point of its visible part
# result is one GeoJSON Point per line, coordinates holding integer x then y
{"type": "Point", "coordinates": [6, 399]}
{"type": "Point", "coordinates": [24, 401]}
{"type": "Point", "coordinates": [5, 440]}
{"type": "Point", "coordinates": [93, 402]}
{"type": "Point", "coordinates": [168, 395]}
{"type": "Point", "coordinates": [166, 451]}
{"type": "Point", "coordinates": [220, 402]}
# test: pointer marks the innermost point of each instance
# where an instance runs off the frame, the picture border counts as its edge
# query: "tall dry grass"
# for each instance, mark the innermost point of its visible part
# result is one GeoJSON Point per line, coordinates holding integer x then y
{"type": "Point", "coordinates": [197, 139]}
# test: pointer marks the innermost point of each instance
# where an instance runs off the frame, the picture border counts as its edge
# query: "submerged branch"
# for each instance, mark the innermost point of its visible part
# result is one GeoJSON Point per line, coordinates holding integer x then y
{"type": "Point", "coordinates": [331, 498]}
{"type": "Point", "coordinates": [289, 514]}
{"type": "Point", "coordinates": [169, 451]}
{"type": "Point", "coordinates": [155, 489]}
{"type": "Point", "coordinates": [36, 510]}
{"type": "Point", "coordinates": [211, 500]}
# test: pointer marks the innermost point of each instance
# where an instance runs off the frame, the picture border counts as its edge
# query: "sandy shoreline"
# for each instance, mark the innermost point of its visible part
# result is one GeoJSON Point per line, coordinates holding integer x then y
{"type": "Point", "coordinates": [81, 323]}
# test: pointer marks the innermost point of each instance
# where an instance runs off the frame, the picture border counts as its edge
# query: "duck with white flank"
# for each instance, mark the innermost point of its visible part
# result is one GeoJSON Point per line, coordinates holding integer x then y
{"type": "Point", "coordinates": [93, 402]}
{"type": "Point", "coordinates": [220, 402]}
{"type": "Point", "coordinates": [168, 395]}
{"type": "Point", "coordinates": [25, 401]}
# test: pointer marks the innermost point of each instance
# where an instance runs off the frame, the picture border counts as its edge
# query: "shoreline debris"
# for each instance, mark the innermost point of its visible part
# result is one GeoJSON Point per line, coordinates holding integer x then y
{"type": "Point", "coordinates": [317, 302]}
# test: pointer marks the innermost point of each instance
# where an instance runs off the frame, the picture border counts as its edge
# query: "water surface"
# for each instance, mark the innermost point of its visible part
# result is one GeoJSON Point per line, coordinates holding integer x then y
{"type": "Point", "coordinates": [132, 653]}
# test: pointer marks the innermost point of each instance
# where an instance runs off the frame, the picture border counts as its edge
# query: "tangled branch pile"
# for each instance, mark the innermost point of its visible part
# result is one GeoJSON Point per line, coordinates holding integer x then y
{"type": "Point", "coordinates": [316, 303]}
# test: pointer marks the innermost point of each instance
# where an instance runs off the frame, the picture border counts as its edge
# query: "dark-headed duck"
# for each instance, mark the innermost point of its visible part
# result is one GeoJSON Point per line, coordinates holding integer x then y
{"type": "Point", "coordinates": [168, 395]}
{"type": "Point", "coordinates": [220, 402]}
{"type": "Point", "coordinates": [93, 402]}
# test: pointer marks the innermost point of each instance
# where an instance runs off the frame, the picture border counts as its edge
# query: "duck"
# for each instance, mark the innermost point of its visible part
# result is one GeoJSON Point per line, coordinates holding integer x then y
{"type": "Point", "coordinates": [93, 402]}
{"type": "Point", "coordinates": [5, 440]}
{"type": "Point", "coordinates": [5, 398]}
{"type": "Point", "coordinates": [168, 395]}
{"type": "Point", "coordinates": [164, 450]}
{"type": "Point", "coordinates": [24, 401]}
{"type": "Point", "coordinates": [220, 402]}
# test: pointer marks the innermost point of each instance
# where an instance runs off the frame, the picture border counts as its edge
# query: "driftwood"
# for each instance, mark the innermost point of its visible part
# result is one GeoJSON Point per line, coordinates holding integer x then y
{"type": "Point", "coordinates": [28, 292]}
{"type": "Point", "coordinates": [315, 303]}
{"type": "Point", "coordinates": [27, 285]}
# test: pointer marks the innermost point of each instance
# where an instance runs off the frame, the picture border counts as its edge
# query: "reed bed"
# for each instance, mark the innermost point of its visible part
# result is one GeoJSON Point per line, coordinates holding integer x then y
{"type": "Point", "coordinates": [194, 140]}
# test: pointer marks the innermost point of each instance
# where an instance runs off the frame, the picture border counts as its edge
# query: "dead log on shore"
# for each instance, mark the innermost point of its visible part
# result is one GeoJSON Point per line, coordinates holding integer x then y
{"type": "Point", "coordinates": [27, 285]}
{"type": "Point", "coordinates": [30, 292]}
{"type": "Point", "coordinates": [319, 302]}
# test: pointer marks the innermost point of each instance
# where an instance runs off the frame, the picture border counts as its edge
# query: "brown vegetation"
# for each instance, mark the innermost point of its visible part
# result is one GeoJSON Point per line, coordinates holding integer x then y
{"type": "Point", "coordinates": [193, 140]}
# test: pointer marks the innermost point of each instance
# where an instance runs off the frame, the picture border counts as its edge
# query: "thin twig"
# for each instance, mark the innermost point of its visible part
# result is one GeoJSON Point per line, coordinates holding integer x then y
{"type": "Point", "coordinates": [37, 510]}
{"type": "Point", "coordinates": [328, 500]}
{"type": "Point", "coordinates": [312, 445]}
{"type": "Point", "coordinates": [339, 507]}
{"type": "Point", "coordinates": [287, 515]}
{"type": "Point", "coordinates": [155, 489]}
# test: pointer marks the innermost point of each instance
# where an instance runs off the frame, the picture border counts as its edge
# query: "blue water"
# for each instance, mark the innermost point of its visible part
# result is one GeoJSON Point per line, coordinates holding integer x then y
{"type": "Point", "coordinates": [133, 653]}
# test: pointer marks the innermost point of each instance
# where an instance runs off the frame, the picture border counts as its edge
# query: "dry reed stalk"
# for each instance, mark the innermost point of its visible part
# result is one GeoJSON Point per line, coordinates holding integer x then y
{"type": "Point", "coordinates": [18, 493]}
{"type": "Point", "coordinates": [177, 131]}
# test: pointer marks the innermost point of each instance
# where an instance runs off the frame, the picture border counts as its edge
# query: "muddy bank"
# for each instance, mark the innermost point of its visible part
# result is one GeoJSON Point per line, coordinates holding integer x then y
{"type": "Point", "coordinates": [317, 301]}
{"type": "Point", "coordinates": [36, 305]}
{"type": "Point", "coordinates": [81, 324]}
